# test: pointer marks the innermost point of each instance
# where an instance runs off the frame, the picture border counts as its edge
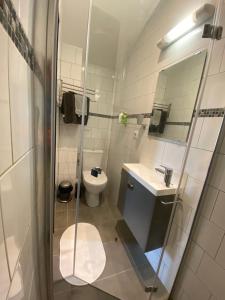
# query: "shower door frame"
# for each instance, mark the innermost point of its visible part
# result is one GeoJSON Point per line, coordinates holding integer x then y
{"type": "Point", "coordinates": [50, 134]}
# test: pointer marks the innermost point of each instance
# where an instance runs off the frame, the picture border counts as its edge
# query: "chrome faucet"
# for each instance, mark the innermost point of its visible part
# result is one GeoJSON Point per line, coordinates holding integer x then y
{"type": "Point", "coordinates": [168, 172]}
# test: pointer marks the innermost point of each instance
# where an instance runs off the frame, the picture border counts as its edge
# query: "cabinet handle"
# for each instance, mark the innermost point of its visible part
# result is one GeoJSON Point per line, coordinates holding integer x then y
{"type": "Point", "coordinates": [130, 186]}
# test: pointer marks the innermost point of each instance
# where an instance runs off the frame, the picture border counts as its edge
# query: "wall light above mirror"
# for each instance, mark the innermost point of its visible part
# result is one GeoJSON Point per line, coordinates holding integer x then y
{"type": "Point", "coordinates": [195, 19]}
{"type": "Point", "coordinates": [175, 98]}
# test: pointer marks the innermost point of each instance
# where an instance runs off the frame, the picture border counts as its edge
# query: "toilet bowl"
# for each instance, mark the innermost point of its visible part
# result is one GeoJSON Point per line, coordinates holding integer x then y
{"type": "Point", "coordinates": [94, 186]}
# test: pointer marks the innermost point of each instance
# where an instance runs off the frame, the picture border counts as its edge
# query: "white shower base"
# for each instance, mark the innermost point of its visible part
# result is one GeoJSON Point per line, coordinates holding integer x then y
{"type": "Point", "coordinates": [90, 255]}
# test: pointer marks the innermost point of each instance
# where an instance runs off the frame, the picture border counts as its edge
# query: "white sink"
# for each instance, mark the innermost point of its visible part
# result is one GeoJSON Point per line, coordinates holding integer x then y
{"type": "Point", "coordinates": [151, 179]}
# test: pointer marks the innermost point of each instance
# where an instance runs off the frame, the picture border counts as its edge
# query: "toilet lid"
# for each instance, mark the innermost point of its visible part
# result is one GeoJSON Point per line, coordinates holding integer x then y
{"type": "Point", "coordinates": [101, 179]}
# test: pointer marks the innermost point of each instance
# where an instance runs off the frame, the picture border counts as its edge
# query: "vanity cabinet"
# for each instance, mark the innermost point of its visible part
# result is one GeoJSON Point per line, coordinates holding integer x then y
{"type": "Point", "coordinates": [146, 215]}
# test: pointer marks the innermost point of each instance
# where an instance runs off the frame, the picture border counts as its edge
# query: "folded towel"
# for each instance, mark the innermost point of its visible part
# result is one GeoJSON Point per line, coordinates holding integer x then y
{"type": "Point", "coordinates": [156, 117]}
{"type": "Point", "coordinates": [71, 108]}
{"type": "Point", "coordinates": [79, 103]}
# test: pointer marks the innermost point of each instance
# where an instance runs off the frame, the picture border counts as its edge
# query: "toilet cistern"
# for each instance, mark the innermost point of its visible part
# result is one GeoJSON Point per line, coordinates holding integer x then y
{"type": "Point", "coordinates": [168, 172]}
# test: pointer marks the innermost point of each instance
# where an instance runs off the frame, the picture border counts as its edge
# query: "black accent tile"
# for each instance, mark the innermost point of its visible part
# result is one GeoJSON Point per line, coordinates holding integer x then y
{"type": "Point", "coordinates": [211, 113]}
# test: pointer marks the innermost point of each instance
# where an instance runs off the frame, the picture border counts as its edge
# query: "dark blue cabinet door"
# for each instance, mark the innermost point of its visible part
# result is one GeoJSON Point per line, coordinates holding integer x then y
{"type": "Point", "coordinates": [138, 207]}
{"type": "Point", "coordinates": [144, 213]}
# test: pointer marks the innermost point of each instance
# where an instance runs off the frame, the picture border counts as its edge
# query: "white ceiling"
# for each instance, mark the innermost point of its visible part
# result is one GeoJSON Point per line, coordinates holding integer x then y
{"type": "Point", "coordinates": [115, 26]}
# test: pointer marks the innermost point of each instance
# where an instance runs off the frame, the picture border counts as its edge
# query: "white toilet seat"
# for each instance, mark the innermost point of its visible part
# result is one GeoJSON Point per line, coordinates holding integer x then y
{"type": "Point", "coordinates": [92, 180]}
{"type": "Point", "coordinates": [94, 186]}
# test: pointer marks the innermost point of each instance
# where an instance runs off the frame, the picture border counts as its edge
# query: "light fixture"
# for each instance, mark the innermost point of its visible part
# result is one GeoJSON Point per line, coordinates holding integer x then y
{"type": "Point", "coordinates": [197, 18]}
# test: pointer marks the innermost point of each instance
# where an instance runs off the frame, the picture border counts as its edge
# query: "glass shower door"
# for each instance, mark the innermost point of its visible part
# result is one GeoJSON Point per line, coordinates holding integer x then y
{"type": "Point", "coordinates": [188, 196]}
{"type": "Point", "coordinates": [109, 143]}
{"type": "Point", "coordinates": [120, 85]}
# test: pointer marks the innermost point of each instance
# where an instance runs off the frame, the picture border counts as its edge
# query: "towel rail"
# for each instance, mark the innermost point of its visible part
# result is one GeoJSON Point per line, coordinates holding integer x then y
{"type": "Point", "coordinates": [66, 87]}
{"type": "Point", "coordinates": [165, 107]}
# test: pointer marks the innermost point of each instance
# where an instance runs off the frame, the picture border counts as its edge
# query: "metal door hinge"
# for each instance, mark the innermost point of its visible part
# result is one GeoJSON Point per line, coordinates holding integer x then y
{"type": "Point", "coordinates": [212, 32]}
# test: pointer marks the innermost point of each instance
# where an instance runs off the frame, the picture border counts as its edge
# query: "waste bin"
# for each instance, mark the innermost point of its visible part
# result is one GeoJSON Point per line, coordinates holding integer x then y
{"type": "Point", "coordinates": [64, 191]}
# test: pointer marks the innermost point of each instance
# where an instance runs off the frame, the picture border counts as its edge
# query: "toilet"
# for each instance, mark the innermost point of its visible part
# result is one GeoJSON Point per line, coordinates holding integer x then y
{"type": "Point", "coordinates": [94, 186]}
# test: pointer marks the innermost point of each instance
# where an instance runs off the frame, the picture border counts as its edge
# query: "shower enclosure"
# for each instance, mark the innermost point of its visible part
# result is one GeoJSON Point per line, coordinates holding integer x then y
{"type": "Point", "coordinates": [113, 62]}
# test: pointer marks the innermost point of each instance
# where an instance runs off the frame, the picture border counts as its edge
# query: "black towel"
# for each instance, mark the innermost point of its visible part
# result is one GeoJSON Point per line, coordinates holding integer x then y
{"type": "Point", "coordinates": [68, 107]}
{"type": "Point", "coordinates": [158, 121]}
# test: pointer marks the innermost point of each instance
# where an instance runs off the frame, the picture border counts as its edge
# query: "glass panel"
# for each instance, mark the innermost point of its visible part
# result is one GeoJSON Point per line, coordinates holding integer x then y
{"type": "Point", "coordinates": [191, 186]}
{"type": "Point", "coordinates": [71, 63]}
{"type": "Point", "coordinates": [124, 207]}
{"type": "Point", "coordinates": [109, 47]}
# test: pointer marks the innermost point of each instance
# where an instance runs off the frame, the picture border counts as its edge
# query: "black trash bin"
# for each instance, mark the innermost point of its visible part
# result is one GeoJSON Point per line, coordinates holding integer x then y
{"type": "Point", "coordinates": [64, 191]}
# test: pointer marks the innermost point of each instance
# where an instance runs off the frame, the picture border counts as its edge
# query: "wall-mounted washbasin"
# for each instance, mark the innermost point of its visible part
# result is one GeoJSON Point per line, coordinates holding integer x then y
{"type": "Point", "coordinates": [151, 179]}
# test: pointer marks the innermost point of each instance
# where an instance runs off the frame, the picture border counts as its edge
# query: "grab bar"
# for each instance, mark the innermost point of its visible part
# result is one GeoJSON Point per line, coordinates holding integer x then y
{"type": "Point", "coordinates": [171, 202]}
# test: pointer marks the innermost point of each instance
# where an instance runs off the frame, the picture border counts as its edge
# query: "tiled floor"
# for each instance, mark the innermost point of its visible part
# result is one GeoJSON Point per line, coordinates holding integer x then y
{"type": "Point", "coordinates": [118, 279]}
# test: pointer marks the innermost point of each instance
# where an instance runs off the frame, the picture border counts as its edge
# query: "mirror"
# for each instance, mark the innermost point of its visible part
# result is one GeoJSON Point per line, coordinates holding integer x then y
{"type": "Point", "coordinates": [175, 98]}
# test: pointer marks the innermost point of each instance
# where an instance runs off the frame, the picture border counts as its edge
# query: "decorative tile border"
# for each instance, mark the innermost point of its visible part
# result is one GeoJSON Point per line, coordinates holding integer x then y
{"type": "Point", "coordinates": [211, 113]}
{"type": "Point", "coordinates": [203, 113]}
{"type": "Point", "coordinates": [14, 28]}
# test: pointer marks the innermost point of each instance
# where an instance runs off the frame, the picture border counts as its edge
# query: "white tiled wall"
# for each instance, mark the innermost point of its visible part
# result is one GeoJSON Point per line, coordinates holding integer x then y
{"type": "Point", "coordinates": [135, 90]}
{"type": "Point", "coordinates": [20, 103]}
{"type": "Point", "coordinates": [18, 240]}
{"type": "Point", "coordinates": [97, 131]}
{"type": "Point", "coordinates": [205, 259]}
{"type": "Point", "coordinates": [5, 142]}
